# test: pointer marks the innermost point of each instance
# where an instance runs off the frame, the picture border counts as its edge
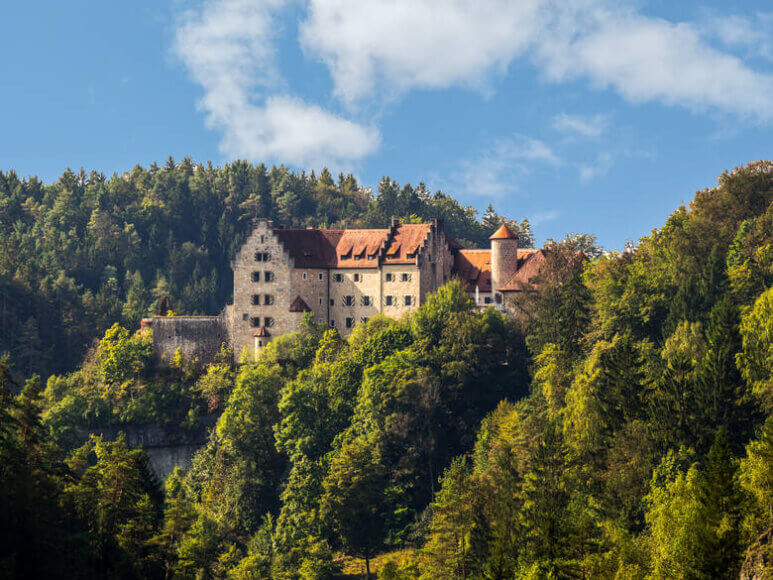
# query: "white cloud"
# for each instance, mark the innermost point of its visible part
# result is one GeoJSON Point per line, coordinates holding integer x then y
{"type": "Point", "coordinates": [649, 59]}
{"type": "Point", "coordinates": [392, 46]}
{"type": "Point", "coordinates": [755, 36]}
{"type": "Point", "coordinates": [600, 166]}
{"type": "Point", "coordinates": [229, 49]}
{"type": "Point", "coordinates": [544, 216]}
{"type": "Point", "coordinates": [497, 170]}
{"type": "Point", "coordinates": [386, 47]}
{"type": "Point", "coordinates": [590, 127]}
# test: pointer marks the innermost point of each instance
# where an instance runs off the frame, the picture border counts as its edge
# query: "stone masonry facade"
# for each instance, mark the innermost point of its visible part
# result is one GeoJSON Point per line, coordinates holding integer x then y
{"type": "Point", "coordinates": [341, 277]}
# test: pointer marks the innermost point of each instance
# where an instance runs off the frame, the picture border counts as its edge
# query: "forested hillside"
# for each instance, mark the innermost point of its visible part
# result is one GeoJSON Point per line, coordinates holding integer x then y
{"type": "Point", "coordinates": [619, 427]}
{"type": "Point", "coordinates": [87, 251]}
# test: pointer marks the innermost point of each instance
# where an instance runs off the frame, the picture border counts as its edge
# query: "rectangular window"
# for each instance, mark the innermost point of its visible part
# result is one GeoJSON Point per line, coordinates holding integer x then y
{"type": "Point", "coordinates": [262, 239]}
{"type": "Point", "coordinates": [256, 299]}
{"type": "Point", "coordinates": [366, 300]}
{"type": "Point", "coordinates": [339, 278]}
{"type": "Point", "coordinates": [408, 300]}
{"type": "Point", "coordinates": [268, 322]}
{"type": "Point", "coordinates": [268, 299]}
{"type": "Point", "coordinates": [320, 301]}
{"type": "Point", "coordinates": [304, 276]}
{"type": "Point", "coordinates": [348, 300]}
{"type": "Point", "coordinates": [487, 300]}
{"type": "Point", "coordinates": [256, 276]}
{"type": "Point", "coordinates": [349, 322]}
{"type": "Point", "coordinates": [389, 277]}
{"type": "Point", "coordinates": [406, 277]}
{"type": "Point", "coordinates": [262, 257]}
{"type": "Point", "coordinates": [268, 276]}
{"type": "Point", "coordinates": [245, 316]}
{"type": "Point", "coordinates": [332, 324]}
{"type": "Point", "coordinates": [321, 276]}
{"type": "Point", "coordinates": [389, 300]}
{"type": "Point", "coordinates": [364, 319]}
{"type": "Point", "coordinates": [255, 321]}
{"type": "Point", "coordinates": [356, 277]}
{"type": "Point", "coordinates": [332, 302]}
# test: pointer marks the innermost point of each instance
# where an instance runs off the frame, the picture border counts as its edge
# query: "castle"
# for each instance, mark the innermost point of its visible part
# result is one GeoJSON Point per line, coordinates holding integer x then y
{"type": "Point", "coordinates": [343, 277]}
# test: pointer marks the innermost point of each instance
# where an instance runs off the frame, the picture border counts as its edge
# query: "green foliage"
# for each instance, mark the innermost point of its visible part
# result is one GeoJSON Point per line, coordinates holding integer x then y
{"type": "Point", "coordinates": [755, 358]}
{"type": "Point", "coordinates": [87, 251]}
{"type": "Point", "coordinates": [618, 427]}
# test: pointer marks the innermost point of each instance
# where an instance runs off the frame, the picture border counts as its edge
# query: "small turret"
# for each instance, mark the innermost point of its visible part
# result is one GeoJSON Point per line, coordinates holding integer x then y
{"type": "Point", "coordinates": [504, 258]}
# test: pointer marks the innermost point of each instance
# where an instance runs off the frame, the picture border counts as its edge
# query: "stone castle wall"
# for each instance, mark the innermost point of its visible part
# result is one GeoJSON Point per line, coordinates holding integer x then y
{"type": "Point", "coordinates": [198, 338]}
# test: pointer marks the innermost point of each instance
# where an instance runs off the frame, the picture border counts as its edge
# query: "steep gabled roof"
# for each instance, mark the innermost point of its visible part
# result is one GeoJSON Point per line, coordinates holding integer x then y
{"type": "Point", "coordinates": [299, 305]}
{"type": "Point", "coordinates": [474, 269]}
{"type": "Point", "coordinates": [261, 332]}
{"type": "Point", "coordinates": [406, 243]}
{"type": "Point", "coordinates": [529, 266]}
{"type": "Point", "coordinates": [354, 248]}
{"type": "Point", "coordinates": [310, 248]}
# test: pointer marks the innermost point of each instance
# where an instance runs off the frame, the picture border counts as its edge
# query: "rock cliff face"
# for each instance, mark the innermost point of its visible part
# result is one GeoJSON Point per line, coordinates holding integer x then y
{"type": "Point", "coordinates": [167, 447]}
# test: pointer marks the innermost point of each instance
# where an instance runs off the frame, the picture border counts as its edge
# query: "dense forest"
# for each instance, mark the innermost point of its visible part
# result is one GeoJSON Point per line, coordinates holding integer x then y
{"type": "Point", "coordinates": [85, 252]}
{"type": "Point", "coordinates": [618, 427]}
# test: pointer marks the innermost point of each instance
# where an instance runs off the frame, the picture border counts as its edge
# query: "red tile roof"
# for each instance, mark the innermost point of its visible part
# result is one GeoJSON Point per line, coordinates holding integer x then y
{"type": "Point", "coordinates": [299, 305]}
{"type": "Point", "coordinates": [354, 248]}
{"type": "Point", "coordinates": [503, 233]}
{"type": "Point", "coordinates": [528, 268]}
{"type": "Point", "coordinates": [474, 269]}
{"type": "Point", "coordinates": [406, 243]}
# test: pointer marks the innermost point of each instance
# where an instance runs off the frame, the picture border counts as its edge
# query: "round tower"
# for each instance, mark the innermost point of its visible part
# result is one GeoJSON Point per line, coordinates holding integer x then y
{"type": "Point", "coordinates": [504, 258]}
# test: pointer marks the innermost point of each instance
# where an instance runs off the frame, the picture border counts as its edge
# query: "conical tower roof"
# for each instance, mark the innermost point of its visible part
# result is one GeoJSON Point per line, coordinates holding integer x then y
{"type": "Point", "coordinates": [503, 233]}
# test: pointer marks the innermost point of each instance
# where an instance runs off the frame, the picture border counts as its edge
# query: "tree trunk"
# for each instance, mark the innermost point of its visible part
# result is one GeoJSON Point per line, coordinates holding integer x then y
{"type": "Point", "coordinates": [367, 566]}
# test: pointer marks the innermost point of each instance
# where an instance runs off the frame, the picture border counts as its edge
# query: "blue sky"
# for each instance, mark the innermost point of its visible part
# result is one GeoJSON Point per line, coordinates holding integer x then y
{"type": "Point", "coordinates": [581, 115]}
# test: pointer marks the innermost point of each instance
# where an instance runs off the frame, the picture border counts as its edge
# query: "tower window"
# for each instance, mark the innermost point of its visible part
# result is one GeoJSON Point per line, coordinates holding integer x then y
{"type": "Point", "coordinates": [405, 277]}
{"type": "Point", "coordinates": [356, 277]}
{"type": "Point", "coordinates": [304, 276]}
{"type": "Point", "coordinates": [262, 257]}
{"type": "Point", "coordinates": [321, 276]}
{"type": "Point", "coordinates": [268, 276]}
{"type": "Point", "coordinates": [256, 299]}
{"type": "Point", "coordinates": [268, 299]}
{"type": "Point", "coordinates": [408, 300]}
{"type": "Point", "coordinates": [332, 302]}
{"type": "Point", "coordinates": [268, 322]}
{"type": "Point", "coordinates": [339, 278]}
{"type": "Point", "coordinates": [255, 321]}
{"type": "Point", "coordinates": [364, 319]}
{"type": "Point", "coordinates": [256, 276]}
{"type": "Point", "coordinates": [348, 300]}
{"type": "Point", "coordinates": [366, 300]}
{"type": "Point", "coordinates": [332, 323]}
{"type": "Point", "coordinates": [349, 322]}
{"type": "Point", "coordinates": [389, 277]}
{"type": "Point", "coordinates": [389, 300]}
